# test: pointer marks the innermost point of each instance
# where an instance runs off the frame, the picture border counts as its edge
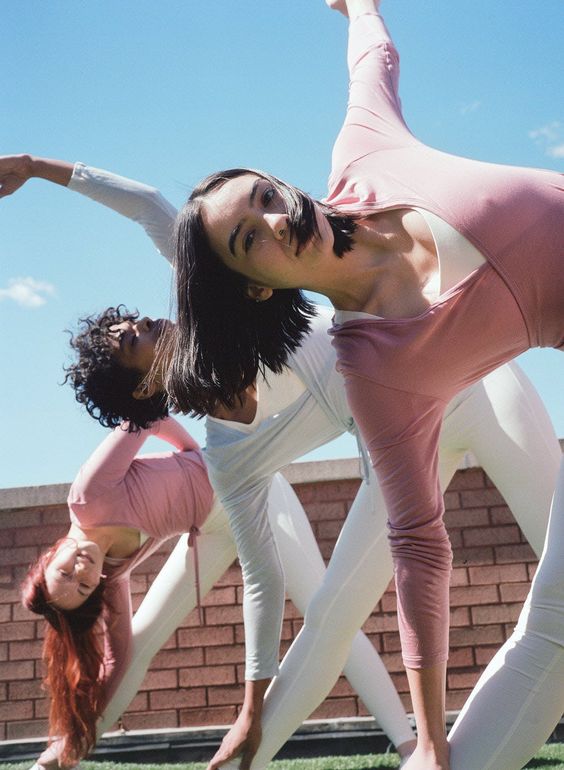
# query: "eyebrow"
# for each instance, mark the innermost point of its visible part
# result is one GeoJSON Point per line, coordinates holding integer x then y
{"type": "Point", "coordinates": [237, 228]}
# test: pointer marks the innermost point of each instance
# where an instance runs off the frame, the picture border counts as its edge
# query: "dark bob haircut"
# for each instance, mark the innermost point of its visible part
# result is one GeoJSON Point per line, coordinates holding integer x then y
{"type": "Point", "coordinates": [101, 384]}
{"type": "Point", "coordinates": [222, 338]}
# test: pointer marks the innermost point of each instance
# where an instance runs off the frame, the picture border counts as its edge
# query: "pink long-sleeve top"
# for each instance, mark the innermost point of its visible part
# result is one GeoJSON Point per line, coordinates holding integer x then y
{"type": "Point", "coordinates": [162, 495]}
{"type": "Point", "coordinates": [401, 373]}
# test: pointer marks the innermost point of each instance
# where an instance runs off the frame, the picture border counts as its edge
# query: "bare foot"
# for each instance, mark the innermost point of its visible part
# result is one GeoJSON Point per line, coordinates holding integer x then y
{"type": "Point", "coordinates": [338, 5]}
{"type": "Point", "coordinates": [422, 760]}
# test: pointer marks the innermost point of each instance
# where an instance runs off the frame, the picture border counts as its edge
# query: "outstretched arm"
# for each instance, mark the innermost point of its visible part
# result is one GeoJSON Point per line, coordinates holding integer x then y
{"type": "Point", "coordinates": [134, 200]}
{"type": "Point", "coordinates": [374, 119]}
{"type": "Point", "coordinates": [107, 466]}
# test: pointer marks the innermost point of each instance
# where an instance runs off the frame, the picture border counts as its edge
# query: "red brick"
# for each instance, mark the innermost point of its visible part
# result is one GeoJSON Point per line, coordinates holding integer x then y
{"type": "Point", "coordinates": [452, 501]}
{"type": "Point", "coordinates": [139, 703]}
{"type": "Point", "coordinates": [19, 556]}
{"type": "Point", "coordinates": [333, 708]}
{"type": "Point", "coordinates": [459, 577]}
{"type": "Point", "coordinates": [16, 670]}
{"type": "Point", "coordinates": [26, 650]}
{"type": "Point", "coordinates": [478, 498]}
{"type": "Point", "coordinates": [219, 616]}
{"type": "Point", "coordinates": [501, 515]}
{"type": "Point", "coordinates": [485, 654]}
{"type": "Point", "coordinates": [459, 680]}
{"type": "Point", "coordinates": [471, 556]}
{"type": "Point", "coordinates": [19, 612]}
{"type": "Point", "coordinates": [467, 517]}
{"type": "Point", "coordinates": [456, 699]}
{"type": "Point", "coordinates": [218, 715]}
{"type": "Point", "coordinates": [172, 658]}
{"type": "Point", "coordinates": [466, 595]}
{"type": "Point", "coordinates": [515, 592]}
{"type": "Point", "coordinates": [152, 720]}
{"type": "Point", "coordinates": [391, 642]}
{"type": "Point", "coordinates": [344, 489]}
{"type": "Point", "coordinates": [506, 573]}
{"type": "Point", "coordinates": [388, 603]}
{"type": "Point", "coordinates": [225, 654]}
{"type": "Point", "coordinates": [466, 637]}
{"type": "Point", "coordinates": [342, 689]}
{"type": "Point", "coordinates": [47, 534]}
{"type": "Point", "coordinates": [459, 616]}
{"type": "Point", "coordinates": [491, 536]}
{"type": "Point", "coordinates": [206, 637]}
{"type": "Point", "coordinates": [7, 538]}
{"type": "Point", "coordinates": [514, 553]}
{"type": "Point", "coordinates": [225, 595]}
{"type": "Point", "coordinates": [221, 696]}
{"type": "Point", "coordinates": [160, 679]}
{"type": "Point", "coordinates": [184, 697]}
{"type": "Point", "coordinates": [16, 710]}
{"type": "Point", "coordinates": [461, 656]}
{"type": "Point", "coordinates": [496, 613]}
{"type": "Point", "coordinates": [10, 594]}
{"type": "Point", "coordinates": [27, 729]}
{"type": "Point", "coordinates": [329, 530]}
{"type": "Point", "coordinates": [5, 613]}
{"type": "Point", "coordinates": [16, 519]}
{"type": "Point", "coordinates": [531, 570]}
{"type": "Point", "coordinates": [21, 630]}
{"type": "Point", "coordinates": [469, 478]}
{"type": "Point", "coordinates": [379, 623]}
{"type": "Point", "coordinates": [206, 675]}
{"type": "Point", "coordinates": [3, 651]}
{"type": "Point", "coordinates": [326, 511]}
{"type": "Point", "coordinates": [393, 661]}
{"type": "Point", "coordinates": [456, 538]}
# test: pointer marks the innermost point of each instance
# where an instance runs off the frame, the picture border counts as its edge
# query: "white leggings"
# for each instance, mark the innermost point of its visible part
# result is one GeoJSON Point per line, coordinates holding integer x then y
{"type": "Point", "coordinates": [508, 716]}
{"type": "Point", "coordinates": [172, 596]}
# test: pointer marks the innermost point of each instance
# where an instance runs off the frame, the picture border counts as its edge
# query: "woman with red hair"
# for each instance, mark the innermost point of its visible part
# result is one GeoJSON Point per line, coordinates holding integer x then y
{"type": "Point", "coordinates": [122, 509]}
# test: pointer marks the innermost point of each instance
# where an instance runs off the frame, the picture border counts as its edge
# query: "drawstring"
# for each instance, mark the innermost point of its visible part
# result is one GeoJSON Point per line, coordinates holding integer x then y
{"type": "Point", "coordinates": [363, 460]}
{"type": "Point", "coordinates": [193, 543]}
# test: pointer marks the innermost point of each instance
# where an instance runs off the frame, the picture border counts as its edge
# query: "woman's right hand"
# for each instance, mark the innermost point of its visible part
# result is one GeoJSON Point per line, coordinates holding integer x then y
{"type": "Point", "coordinates": [15, 170]}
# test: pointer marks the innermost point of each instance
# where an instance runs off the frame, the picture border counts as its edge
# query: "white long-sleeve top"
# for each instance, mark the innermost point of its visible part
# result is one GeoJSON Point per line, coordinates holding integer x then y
{"type": "Point", "coordinates": [242, 459]}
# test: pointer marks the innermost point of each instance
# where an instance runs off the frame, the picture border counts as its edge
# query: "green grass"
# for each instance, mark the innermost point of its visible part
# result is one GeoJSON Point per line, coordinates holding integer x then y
{"type": "Point", "coordinates": [551, 757]}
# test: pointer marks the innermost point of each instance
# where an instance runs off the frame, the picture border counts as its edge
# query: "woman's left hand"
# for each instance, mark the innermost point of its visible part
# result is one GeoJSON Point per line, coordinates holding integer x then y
{"type": "Point", "coordinates": [242, 740]}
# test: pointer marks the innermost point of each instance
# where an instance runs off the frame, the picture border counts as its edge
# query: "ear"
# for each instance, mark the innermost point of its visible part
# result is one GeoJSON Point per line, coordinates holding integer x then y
{"type": "Point", "coordinates": [144, 390]}
{"type": "Point", "coordinates": [259, 293]}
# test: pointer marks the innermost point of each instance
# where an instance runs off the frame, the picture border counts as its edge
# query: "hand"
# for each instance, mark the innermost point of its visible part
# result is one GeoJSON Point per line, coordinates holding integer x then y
{"type": "Point", "coordinates": [15, 170]}
{"type": "Point", "coordinates": [242, 740]}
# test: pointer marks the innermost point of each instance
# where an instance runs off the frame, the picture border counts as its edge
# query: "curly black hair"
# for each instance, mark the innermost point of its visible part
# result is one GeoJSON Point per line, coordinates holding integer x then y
{"type": "Point", "coordinates": [104, 386]}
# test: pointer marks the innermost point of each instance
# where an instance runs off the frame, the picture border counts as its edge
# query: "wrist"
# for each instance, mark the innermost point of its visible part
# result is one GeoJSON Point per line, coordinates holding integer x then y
{"type": "Point", "coordinates": [57, 171]}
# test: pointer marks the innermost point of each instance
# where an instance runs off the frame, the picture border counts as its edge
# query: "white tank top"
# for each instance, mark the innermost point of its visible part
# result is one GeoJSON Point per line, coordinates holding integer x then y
{"type": "Point", "coordinates": [456, 256]}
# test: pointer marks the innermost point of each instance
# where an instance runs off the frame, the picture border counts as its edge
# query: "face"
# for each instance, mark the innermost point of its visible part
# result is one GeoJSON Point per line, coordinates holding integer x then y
{"type": "Point", "coordinates": [248, 227]}
{"type": "Point", "coordinates": [73, 573]}
{"type": "Point", "coordinates": [135, 342]}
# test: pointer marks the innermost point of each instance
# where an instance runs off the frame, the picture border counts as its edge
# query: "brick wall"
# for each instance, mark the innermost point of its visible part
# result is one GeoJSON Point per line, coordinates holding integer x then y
{"type": "Point", "coordinates": [197, 678]}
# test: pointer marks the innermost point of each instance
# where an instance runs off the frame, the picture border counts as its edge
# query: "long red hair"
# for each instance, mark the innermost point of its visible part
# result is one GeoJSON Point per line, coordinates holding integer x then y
{"type": "Point", "coordinates": [73, 655]}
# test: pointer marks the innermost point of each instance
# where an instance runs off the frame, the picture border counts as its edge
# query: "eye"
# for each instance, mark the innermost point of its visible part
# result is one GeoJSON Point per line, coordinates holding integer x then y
{"type": "Point", "coordinates": [248, 241]}
{"type": "Point", "coordinates": [267, 196]}
{"type": "Point", "coordinates": [64, 574]}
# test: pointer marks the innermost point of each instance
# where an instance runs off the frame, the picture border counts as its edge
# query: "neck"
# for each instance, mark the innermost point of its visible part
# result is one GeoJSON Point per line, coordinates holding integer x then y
{"type": "Point", "coordinates": [104, 537]}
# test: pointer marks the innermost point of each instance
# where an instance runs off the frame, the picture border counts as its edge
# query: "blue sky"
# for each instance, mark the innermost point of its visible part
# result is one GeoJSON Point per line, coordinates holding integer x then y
{"type": "Point", "coordinates": [167, 93]}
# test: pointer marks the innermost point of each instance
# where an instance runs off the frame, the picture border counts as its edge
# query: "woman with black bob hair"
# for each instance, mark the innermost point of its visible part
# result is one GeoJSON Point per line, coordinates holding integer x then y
{"type": "Point", "coordinates": [451, 267]}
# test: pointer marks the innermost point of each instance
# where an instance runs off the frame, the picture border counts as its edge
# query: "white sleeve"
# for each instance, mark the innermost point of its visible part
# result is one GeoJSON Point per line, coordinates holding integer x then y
{"type": "Point", "coordinates": [134, 200]}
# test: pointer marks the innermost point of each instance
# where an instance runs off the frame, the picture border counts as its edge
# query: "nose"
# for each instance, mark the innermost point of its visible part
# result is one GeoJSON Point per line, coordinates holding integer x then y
{"type": "Point", "coordinates": [144, 324]}
{"type": "Point", "coordinates": [278, 223]}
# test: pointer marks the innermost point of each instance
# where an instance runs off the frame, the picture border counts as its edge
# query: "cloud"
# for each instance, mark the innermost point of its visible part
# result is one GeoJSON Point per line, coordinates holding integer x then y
{"type": "Point", "coordinates": [469, 107]}
{"type": "Point", "coordinates": [27, 292]}
{"type": "Point", "coordinates": [550, 137]}
{"type": "Point", "coordinates": [557, 151]}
